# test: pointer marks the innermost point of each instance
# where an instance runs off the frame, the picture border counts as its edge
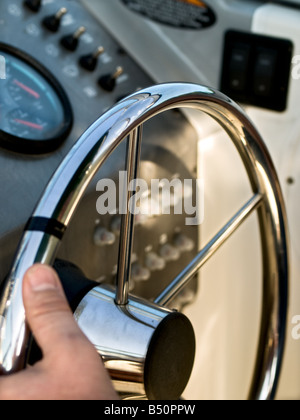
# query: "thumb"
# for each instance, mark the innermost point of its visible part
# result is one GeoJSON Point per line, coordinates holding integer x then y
{"type": "Point", "coordinates": [47, 311]}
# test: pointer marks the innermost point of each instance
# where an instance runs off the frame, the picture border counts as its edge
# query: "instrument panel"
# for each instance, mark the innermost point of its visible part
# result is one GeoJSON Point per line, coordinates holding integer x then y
{"type": "Point", "coordinates": [36, 115]}
{"type": "Point", "coordinates": [63, 70]}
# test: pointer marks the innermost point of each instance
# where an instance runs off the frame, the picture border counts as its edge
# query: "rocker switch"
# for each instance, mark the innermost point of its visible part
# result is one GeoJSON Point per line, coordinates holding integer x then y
{"type": "Point", "coordinates": [264, 72]}
{"type": "Point", "coordinates": [238, 66]}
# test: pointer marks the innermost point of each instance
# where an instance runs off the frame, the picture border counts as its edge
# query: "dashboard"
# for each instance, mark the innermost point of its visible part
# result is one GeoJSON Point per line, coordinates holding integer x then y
{"type": "Point", "coordinates": [63, 63]}
{"type": "Point", "coordinates": [63, 70]}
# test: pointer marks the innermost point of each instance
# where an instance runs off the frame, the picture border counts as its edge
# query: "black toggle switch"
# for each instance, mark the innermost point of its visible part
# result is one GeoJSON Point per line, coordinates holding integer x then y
{"type": "Point", "coordinates": [70, 42]}
{"type": "Point", "coordinates": [90, 61]}
{"type": "Point", "coordinates": [108, 81]}
{"type": "Point", "coordinates": [52, 23]}
{"type": "Point", "coordinates": [33, 5]}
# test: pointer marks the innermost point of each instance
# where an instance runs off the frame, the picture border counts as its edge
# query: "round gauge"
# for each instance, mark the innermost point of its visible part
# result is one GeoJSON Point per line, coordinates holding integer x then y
{"type": "Point", "coordinates": [35, 113]}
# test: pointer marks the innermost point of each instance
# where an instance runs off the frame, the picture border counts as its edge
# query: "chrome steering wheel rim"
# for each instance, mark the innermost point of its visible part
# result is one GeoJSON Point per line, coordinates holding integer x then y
{"type": "Point", "coordinates": [53, 213]}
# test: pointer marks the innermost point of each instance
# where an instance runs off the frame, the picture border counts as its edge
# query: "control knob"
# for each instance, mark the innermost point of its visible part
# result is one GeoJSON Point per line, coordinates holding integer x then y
{"type": "Point", "coordinates": [103, 237]}
{"type": "Point", "coordinates": [139, 273]}
{"type": "Point", "coordinates": [183, 243]}
{"type": "Point", "coordinates": [169, 252]}
{"type": "Point", "coordinates": [154, 262]}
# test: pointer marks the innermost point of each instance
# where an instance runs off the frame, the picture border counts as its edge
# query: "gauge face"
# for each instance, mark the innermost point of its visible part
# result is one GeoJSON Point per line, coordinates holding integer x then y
{"type": "Point", "coordinates": [35, 114]}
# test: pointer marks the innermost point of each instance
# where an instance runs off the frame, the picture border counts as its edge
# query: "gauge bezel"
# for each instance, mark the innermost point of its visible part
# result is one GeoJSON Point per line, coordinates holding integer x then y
{"type": "Point", "coordinates": [38, 146]}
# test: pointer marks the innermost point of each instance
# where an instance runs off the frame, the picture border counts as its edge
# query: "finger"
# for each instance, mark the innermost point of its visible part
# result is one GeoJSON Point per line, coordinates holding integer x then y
{"type": "Point", "coordinates": [47, 310]}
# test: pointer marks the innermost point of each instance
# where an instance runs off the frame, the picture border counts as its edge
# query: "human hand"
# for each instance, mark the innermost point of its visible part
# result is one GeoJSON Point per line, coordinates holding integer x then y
{"type": "Point", "coordinates": [70, 369]}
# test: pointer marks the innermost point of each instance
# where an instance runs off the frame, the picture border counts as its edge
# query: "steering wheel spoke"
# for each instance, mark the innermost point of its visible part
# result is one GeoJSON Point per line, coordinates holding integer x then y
{"type": "Point", "coordinates": [208, 251]}
{"type": "Point", "coordinates": [127, 221]}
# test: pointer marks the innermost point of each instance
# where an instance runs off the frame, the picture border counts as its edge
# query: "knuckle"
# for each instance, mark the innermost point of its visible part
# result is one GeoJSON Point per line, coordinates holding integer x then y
{"type": "Point", "coordinates": [48, 302]}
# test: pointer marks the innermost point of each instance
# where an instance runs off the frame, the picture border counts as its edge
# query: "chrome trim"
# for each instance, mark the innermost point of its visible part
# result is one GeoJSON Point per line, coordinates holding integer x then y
{"type": "Point", "coordinates": [93, 148]}
{"type": "Point", "coordinates": [127, 221]}
{"type": "Point", "coordinates": [133, 326]}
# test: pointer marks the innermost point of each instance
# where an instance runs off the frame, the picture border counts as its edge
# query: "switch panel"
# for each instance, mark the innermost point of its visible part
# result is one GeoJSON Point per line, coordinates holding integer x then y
{"type": "Point", "coordinates": [256, 70]}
